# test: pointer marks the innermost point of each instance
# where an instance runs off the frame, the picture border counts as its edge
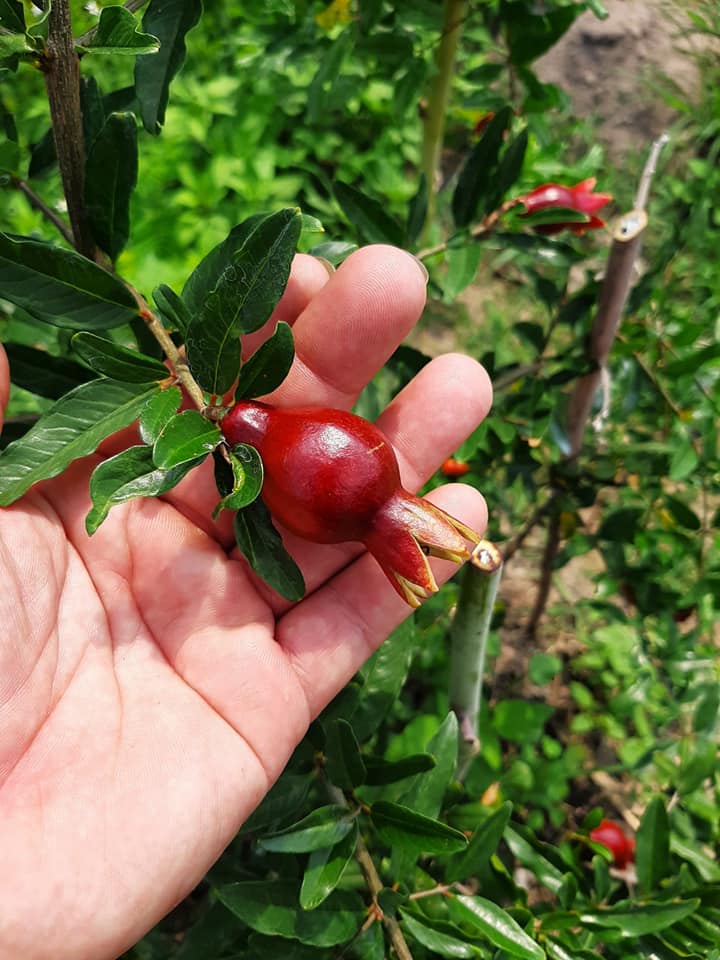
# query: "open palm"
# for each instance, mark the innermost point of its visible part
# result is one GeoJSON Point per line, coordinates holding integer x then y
{"type": "Point", "coordinates": [150, 689]}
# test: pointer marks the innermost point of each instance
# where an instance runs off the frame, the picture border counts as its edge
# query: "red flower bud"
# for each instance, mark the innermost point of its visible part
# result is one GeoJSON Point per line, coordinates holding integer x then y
{"type": "Point", "coordinates": [610, 835]}
{"type": "Point", "coordinates": [580, 198]}
{"type": "Point", "coordinates": [454, 468]}
{"type": "Point", "coordinates": [332, 477]}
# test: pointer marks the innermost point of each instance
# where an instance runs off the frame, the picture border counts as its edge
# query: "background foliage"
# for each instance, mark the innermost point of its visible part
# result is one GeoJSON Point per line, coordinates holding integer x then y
{"type": "Point", "coordinates": [604, 702]}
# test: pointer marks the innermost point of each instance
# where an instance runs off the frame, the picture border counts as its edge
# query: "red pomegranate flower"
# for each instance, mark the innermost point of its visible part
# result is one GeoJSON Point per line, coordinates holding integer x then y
{"type": "Point", "coordinates": [332, 477]}
{"type": "Point", "coordinates": [579, 197]}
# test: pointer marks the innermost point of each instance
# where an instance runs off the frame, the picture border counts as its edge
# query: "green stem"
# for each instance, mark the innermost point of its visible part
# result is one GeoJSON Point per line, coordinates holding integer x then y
{"type": "Point", "coordinates": [438, 97]}
{"type": "Point", "coordinates": [468, 638]}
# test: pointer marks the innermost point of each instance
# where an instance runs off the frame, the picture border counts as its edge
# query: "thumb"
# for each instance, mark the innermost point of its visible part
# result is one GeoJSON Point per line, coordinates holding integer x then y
{"type": "Point", "coordinates": [4, 383]}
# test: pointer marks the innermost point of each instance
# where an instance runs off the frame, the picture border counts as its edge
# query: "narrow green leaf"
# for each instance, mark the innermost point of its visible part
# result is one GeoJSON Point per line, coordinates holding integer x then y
{"type": "Point", "coordinates": [245, 476]}
{"type": "Point", "coordinates": [158, 412]}
{"type": "Point", "coordinates": [43, 374]}
{"type": "Point", "coordinates": [334, 251]}
{"type": "Point", "coordinates": [273, 908]}
{"type": "Point", "coordinates": [462, 267]}
{"type": "Point", "coordinates": [343, 762]}
{"type": "Point", "coordinates": [425, 794]}
{"type": "Point", "coordinates": [324, 870]}
{"type": "Point", "coordinates": [498, 927]}
{"type": "Point", "coordinates": [61, 287]}
{"type": "Point", "coordinates": [368, 216]}
{"type": "Point", "coordinates": [380, 771]}
{"type": "Point", "coordinates": [443, 943]}
{"type": "Point", "coordinates": [117, 32]}
{"type": "Point", "coordinates": [110, 178]}
{"type": "Point", "coordinates": [417, 211]}
{"type": "Point", "coordinates": [403, 828]}
{"type": "Point", "coordinates": [284, 800]}
{"type": "Point", "coordinates": [204, 278]}
{"type": "Point", "coordinates": [126, 476]}
{"type": "Point", "coordinates": [264, 550]}
{"type": "Point", "coordinates": [384, 675]}
{"type": "Point", "coordinates": [72, 428]}
{"type": "Point", "coordinates": [323, 827]}
{"type": "Point", "coordinates": [652, 851]}
{"type": "Point", "coordinates": [169, 21]}
{"type": "Point", "coordinates": [172, 307]}
{"type": "Point", "coordinates": [476, 182]}
{"type": "Point", "coordinates": [482, 846]}
{"type": "Point", "coordinates": [185, 437]}
{"type": "Point", "coordinates": [112, 360]}
{"type": "Point", "coordinates": [12, 16]}
{"type": "Point", "coordinates": [509, 169]}
{"type": "Point", "coordinates": [268, 366]}
{"type": "Point", "coordinates": [242, 300]}
{"type": "Point", "coordinates": [637, 920]}
{"type": "Point", "coordinates": [684, 460]}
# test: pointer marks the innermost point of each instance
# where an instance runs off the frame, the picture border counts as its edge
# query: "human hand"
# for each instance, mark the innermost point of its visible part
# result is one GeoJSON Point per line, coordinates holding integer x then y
{"type": "Point", "coordinates": [151, 689]}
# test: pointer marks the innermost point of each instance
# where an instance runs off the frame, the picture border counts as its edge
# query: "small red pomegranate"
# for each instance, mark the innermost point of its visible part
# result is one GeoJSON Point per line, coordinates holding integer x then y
{"type": "Point", "coordinates": [332, 477]}
{"type": "Point", "coordinates": [610, 835]}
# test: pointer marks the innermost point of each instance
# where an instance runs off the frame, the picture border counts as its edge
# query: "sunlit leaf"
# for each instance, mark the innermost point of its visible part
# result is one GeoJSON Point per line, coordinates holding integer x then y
{"type": "Point", "coordinates": [324, 870]}
{"type": "Point", "coordinates": [402, 828]}
{"type": "Point", "coordinates": [117, 32]}
{"type": "Point", "coordinates": [185, 437]}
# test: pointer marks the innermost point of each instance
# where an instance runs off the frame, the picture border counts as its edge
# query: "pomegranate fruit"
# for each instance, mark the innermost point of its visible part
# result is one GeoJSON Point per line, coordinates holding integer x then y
{"type": "Point", "coordinates": [610, 835]}
{"type": "Point", "coordinates": [331, 477]}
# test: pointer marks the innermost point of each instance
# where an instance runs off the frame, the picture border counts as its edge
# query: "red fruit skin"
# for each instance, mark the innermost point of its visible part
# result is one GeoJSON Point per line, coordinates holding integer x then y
{"type": "Point", "coordinates": [610, 835]}
{"type": "Point", "coordinates": [341, 472]}
{"type": "Point", "coordinates": [331, 477]}
{"type": "Point", "coordinates": [454, 468]}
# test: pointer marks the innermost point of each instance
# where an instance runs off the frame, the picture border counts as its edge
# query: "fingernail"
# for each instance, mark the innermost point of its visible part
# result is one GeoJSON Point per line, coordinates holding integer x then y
{"type": "Point", "coordinates": [423, 268]}
{"type": "Point", "coordinates": [326, 263]}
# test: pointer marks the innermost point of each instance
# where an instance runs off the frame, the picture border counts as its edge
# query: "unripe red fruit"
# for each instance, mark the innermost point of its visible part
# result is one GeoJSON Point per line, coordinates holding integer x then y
{"type": "Point", "coordinates": [331, 477]}
{"type": "Point", "coordinates": [610, 835]}
{"type": "Point", "coordinates": [454, 468]}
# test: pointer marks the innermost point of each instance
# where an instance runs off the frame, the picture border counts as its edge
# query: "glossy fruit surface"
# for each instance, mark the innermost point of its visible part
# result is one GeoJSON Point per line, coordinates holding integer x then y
{"type": "Point", "coordinates": [621, 846]}
{"type": "Point", "coordinates": [454, 468]}
{"type": "Point", "coordinates": [331, 477]}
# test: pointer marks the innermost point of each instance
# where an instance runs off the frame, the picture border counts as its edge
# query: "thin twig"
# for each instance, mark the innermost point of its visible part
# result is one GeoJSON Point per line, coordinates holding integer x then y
{"type": "Point", "coordinates": [522, 536]}
{"type": "Point", "coordinates": [62, 80]}
{"type": "Point", "coordinates": [176, 358]}
{"type": "Point", "coordinates": [373, 881]}
{"type": "Point", "coordinates": [487, 224]}
{"type": "Point", "coordinates": [37, 203]}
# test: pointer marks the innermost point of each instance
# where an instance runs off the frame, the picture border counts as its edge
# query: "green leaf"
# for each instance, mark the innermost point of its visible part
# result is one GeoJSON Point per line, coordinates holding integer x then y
{"type": "Point", "coordinates": [12, 16]}
{"type": "Point", "coordinates": [158, 412]}
{"type": "Point", "coordinates": [14, 43]}
{"type": "Point", "coordinates": [324, 870]}
{"type": "Point", "coordinates": [652, 851]}
{"type": "Point", "coordinates": [186, 437]}
{"type": "Point", "coordinates": [368, 216]}
{"type": "Point", "coordinates": [61, 287]}
{"type": "Point", "coordinates": [380, 771]}
{"type": "Point", "coordinates": [425, 794]}
{"type": "Point", "coordinates": [284, 800]}
{"type": "Point", "coordinates": [684, 460]}
{"type": "Point", "coordinates": [637, 920]}
{"type": "Point", "coordinates": [172, 307]}
{"type": "Point", "coordinates": [384, 675]}
{"type": "Point", "coordinates": [323, 827]}
{"type": "Point", "coordinates": [242, 299]}
{"type": "Point", "coordinates": [548, 873]}
{"type": "Point", "coordinates": [404, 829]}
{"type": "Point", "coordinates": [621, 525]}
{"type": "Point", "coordinates": [126, 476]}
{"type": "Point", "coordinates": [72, 428]}
{"type": "Point", "coordinates": [242, 482]}
{"type": "Point", "coordinates": [417, 211]}
{"type": "Point", "coordinates": [110, 178]}
{"type": "Point", "coordinates": [343, 763]}
{"type": "Point", "coordinates": [263, 549]}
{"type": "Point", "coordinates": [521, 721]}
{"type": "Point", "coordinates": [509, 169]}
{"type": "Point", "coordinates": [272, 908]}
{"type": "Point", "coordinates": [117, 32]}
{"type": "Point", "coordinates": [441, 942]}
{"type": "Point", "coordinates": [476, 182]}
{"type": "Point", "coordinates": [482, 846]}
{"type": "Point", "coordinates": [462, 266]}
{"type": "Point", "coordinates": [43, 374]}
{"type": "Point", "coordinates": [334, 251]}
{"type": "Point", "coordinates": [497, 926]}
{"type": "Point", "coordinates": [529, 34]}
{"type": "Point", "coordinates": [111, 360]}
{"type": "Point", "coordinates": [169, 21]}
{"type": "Point", "coordinates": [268, 366]}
